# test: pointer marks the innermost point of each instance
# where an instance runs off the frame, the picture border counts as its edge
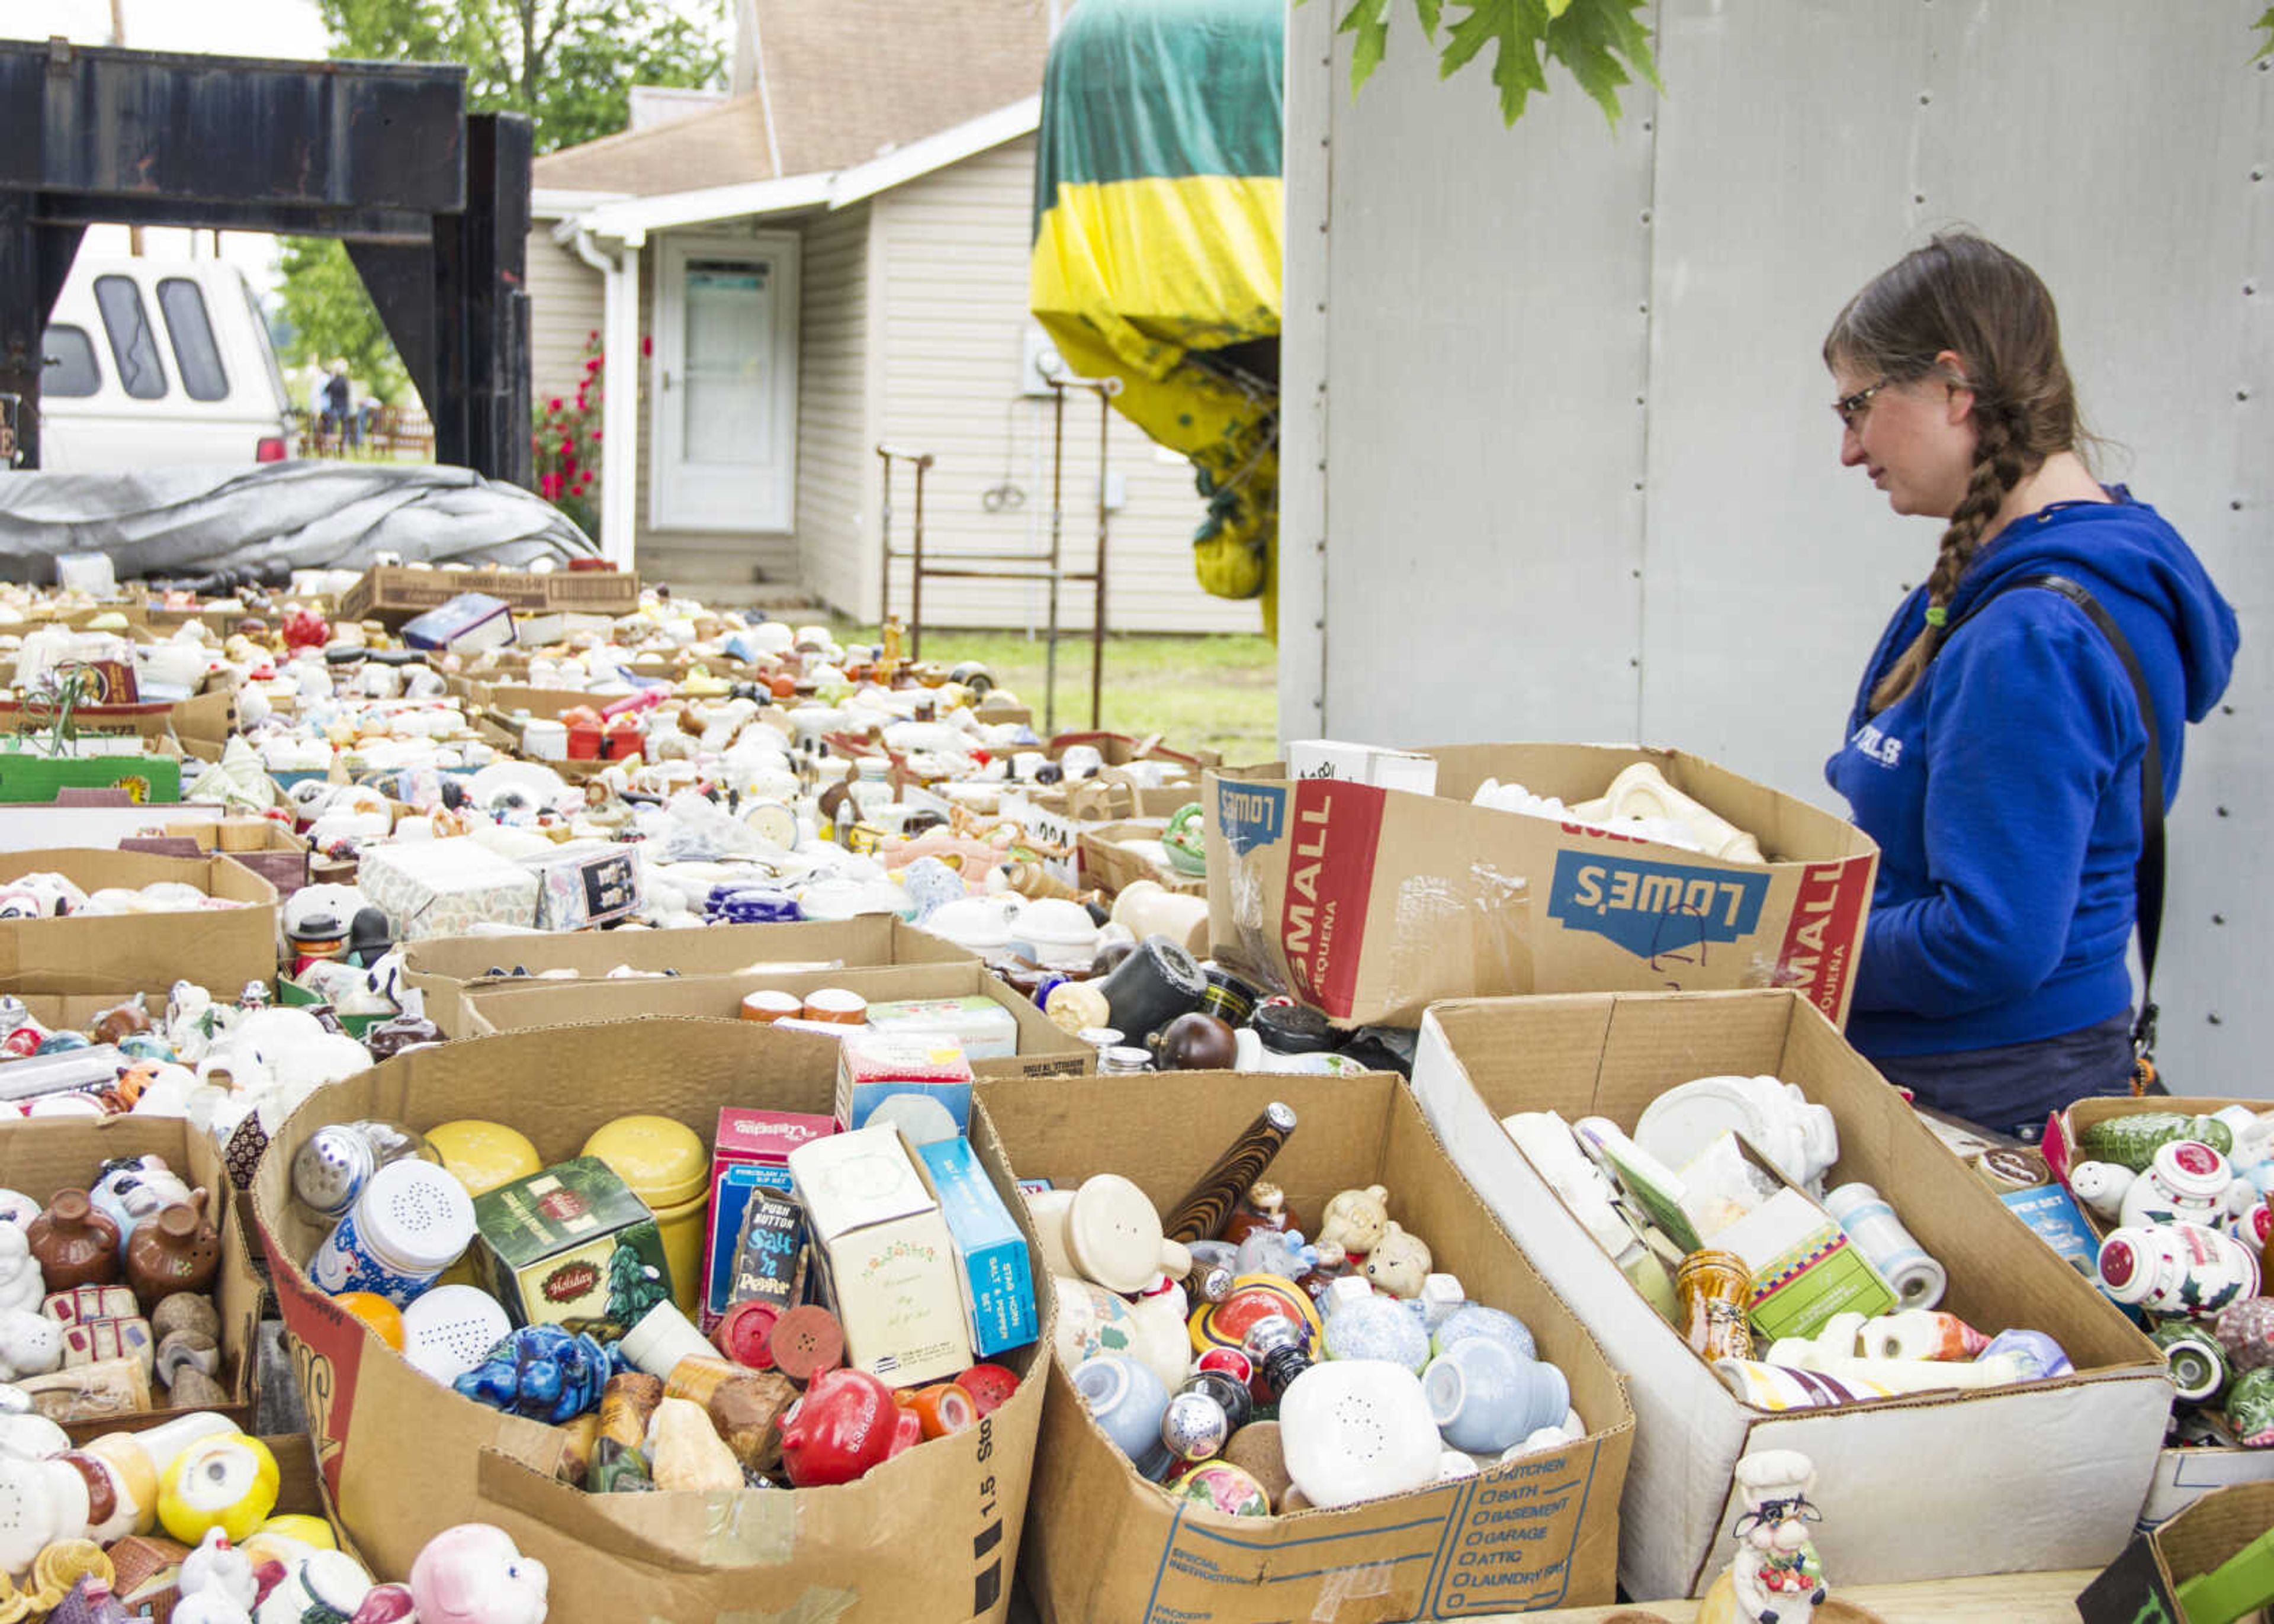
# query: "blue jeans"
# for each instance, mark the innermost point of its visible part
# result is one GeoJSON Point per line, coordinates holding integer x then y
{"type": "Point", "coordinates": [2013, 1088]}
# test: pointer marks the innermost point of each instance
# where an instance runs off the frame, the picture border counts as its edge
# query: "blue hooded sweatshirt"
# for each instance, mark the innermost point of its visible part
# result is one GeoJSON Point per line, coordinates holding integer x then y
{"type": "Point", "coordinates": [2004, 789]}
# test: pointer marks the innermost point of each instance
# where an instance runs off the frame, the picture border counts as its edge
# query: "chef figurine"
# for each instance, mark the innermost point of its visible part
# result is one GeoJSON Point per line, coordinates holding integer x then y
{"type": "Point", "coordinates": [1775, 1578]}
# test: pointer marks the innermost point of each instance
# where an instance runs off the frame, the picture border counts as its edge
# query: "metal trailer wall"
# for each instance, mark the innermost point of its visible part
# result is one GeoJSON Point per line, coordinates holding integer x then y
{"type": "Point", "coordinates": [1559, 464]}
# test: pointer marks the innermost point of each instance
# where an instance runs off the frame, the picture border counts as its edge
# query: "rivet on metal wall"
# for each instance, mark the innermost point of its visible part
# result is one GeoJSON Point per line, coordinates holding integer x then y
{"type": "Point", "coordinates": [2235, 503]}
{"type": "Point", "coordinates": [1319, 624]}
{"type": "Point", "coordinates": [1634, 662]}
{"type": "Point", "coordinates": [2218, 919]}
{"type": "Point", "coordinates": [1926, 96]}
{"type": "Point", "coordinates": [2226, 710]}
{"type": "Point", "coordinates": [2248, 288]}
{"type": "Point", "coordinates": [2221, 811]}
{"type": "Point", "coordinates": [2258, 175]}
{"type": "Point", "coordinates": [1645, 216]}
{"type": "Point", "coordinates": [1918, 197]}
{"type": "Point", "coordinates": [1644, 307]}
{"type": "Point", "coordinates": [2215, 1020]}
{"type": "Point", "coordinates": [2242, 394]}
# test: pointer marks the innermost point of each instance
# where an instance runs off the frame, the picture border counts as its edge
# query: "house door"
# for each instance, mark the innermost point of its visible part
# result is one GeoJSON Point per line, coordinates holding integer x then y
{"type": "Point", "coordinates": [724, 446]}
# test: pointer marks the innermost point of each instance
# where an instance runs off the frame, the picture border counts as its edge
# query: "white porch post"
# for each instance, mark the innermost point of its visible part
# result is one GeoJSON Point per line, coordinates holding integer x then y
{"type": "Point", "coordinates": [619, 407]}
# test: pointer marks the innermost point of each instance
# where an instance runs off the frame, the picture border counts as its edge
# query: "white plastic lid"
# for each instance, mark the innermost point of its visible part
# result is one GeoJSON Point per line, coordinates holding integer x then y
{"type": "Point", "coordinates": [2195, 1171]}
{"type": "Point", "coordinates": [417, 1216]}
{"type": "Point", "coordinates": [451, 1330]}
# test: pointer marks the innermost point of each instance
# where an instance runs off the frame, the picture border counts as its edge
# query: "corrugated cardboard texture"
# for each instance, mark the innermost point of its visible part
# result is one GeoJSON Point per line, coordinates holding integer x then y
{"type": "Point", "coordinates": [40, 1157]}
{"type": "Point", "coordinates": [932, 1534]}
{"type": "Point", "coordinates": [2141, 1586]}
{"type": "Point", "coordinates": [444, 967]}
{"type": "Point", "coordinates": [1373, 903]}
{"type": "Point", "coordinates": [1104, 1544]}
{"type": "Point", "coordinates": [516, 1005]}
{"type": "Point", "coordinates": [219, 949]}
{"type": "Point", "coordinates": [2064, 1462]}
{"type": "Point", "coordinates": [393, 593]}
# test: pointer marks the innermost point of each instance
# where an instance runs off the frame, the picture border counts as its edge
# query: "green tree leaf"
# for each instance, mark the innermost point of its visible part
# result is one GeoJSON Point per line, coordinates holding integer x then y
{"type": "Point", "coordinates": [1369, 21]}
{"type": "Point", "coordinates": [2265, 25]}
{"type": "Point", "coordinates": [1602, 43]}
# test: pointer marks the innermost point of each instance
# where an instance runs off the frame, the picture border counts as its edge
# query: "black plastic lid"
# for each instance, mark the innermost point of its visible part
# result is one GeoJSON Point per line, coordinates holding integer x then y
{"type": "Point", "coordinates": [1295, 1029]}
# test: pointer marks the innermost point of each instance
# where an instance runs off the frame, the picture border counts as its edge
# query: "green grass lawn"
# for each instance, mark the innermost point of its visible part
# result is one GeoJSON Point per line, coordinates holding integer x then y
{"type": "Point", "coordinates": [1217, 692]}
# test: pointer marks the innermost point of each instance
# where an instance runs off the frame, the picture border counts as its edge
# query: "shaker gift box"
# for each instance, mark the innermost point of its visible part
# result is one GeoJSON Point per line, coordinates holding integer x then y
{"type": "Point", "coordinates": [749, 1152]}
{"type": "Point", "coordinates": [2077, 1451]}
{"type": "Point", "coordinates": [1362, 764]}
{"type": "Point", "coordinates": [569, 1246]}
{"type": "Point", "coordinates": [885, 1255]}
{"type": "Point", "coordinates": [583, 884]}
{"type": "Point", "coordinates": [445, 888]}
{"type": "Point", "coordinates": [982, 1028]}
{"type": "Point", "coordinates": [927, 1075]}
{"type": "Point", "coordinates": [467, 624]}
{"type": "Point", "coordinates": [998, 1286]}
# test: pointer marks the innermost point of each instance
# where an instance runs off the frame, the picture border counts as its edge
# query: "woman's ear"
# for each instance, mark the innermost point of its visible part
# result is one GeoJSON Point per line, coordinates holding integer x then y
{"type": "Point", "coordinates": [1952, 365]}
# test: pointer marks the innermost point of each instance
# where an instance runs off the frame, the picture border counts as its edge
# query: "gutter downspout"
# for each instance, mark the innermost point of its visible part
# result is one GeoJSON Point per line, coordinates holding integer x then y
{"type": "Point", "coordinates": [620, 401]}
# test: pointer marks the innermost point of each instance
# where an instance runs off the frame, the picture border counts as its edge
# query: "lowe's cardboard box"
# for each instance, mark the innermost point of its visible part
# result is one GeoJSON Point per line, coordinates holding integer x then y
{"type": "Point", "coordinates": [2183, 1475]}
{"type": "Point", "coordinates": [1043, 1048]}
{"type": "Point", "coordinates": [393, 593]}
{"type": "Point", "coordinates": [1104, 1544]}
{"type": "Point", "coordinates": [1371, 904]}
{"type": "Point", "coordinates": [222, 947]}
{"type": "Point", "coordinates": [2034, 1476]}
{"type": "Point", "coordinates": [932, 1534]}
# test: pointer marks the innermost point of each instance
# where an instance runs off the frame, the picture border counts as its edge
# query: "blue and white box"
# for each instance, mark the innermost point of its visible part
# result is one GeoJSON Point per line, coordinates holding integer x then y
{"type": "Point", "coordinates": [999, 1281]}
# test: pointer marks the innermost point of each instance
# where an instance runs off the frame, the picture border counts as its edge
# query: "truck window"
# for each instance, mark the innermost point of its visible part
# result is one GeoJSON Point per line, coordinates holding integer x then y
{"type": "Point", "coordinates": [133, 344]}
{"type": "Point", "coordinates": [196, 355]}
{"type": "Point", "coordinates": [70, 373]}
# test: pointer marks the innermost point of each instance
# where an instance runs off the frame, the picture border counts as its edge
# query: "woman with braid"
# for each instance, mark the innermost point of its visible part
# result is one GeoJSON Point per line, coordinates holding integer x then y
{"type": "Point", "coordinates": [1996, 745]}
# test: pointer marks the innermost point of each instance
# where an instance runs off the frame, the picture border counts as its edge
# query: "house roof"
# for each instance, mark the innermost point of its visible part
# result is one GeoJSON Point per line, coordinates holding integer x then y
{"type": "Point", "coordinates": [840, 82]}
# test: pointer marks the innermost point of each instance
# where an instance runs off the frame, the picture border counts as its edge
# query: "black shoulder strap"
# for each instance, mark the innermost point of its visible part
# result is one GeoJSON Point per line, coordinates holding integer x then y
{"type": "Point", "coordinates": [2148, 876]}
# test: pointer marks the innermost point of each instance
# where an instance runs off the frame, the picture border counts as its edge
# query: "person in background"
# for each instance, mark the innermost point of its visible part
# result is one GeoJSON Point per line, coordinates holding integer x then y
{"type": "Point", "coordinates": [1995, 747]}
{"type": "Point", "coordinates": [339, 400]}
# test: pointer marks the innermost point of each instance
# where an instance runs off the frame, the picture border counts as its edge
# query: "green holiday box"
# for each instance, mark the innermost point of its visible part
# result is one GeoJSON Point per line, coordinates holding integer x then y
{"type": "Point", "coordinates": [570, 1246]}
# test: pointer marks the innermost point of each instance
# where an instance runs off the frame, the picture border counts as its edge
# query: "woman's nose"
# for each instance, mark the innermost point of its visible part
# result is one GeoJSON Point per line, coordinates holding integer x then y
{"type": "Point", "coordinates": [1851, 448]}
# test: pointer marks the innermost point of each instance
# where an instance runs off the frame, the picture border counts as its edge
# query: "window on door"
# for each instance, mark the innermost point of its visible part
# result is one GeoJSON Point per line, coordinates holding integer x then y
{"type": "Point", "coordinates": [725, 385]}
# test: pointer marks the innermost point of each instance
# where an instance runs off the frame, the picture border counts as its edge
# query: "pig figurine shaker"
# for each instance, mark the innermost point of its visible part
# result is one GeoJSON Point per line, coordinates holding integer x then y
{"type": "Point", "coordinates": [474, 1573]}
{"type": "Point", "coordinates": [1355, 1220]}
{"type": "Point", "coordinates": [1398, 1263]}
{"type": "Point", "coordinates": [1775, 1577]}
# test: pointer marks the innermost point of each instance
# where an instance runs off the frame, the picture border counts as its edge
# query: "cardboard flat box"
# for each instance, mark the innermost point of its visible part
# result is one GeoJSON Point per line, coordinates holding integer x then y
{"type": "Point", "coordinates": [885, 1254]}
{"type": "Point", "coordinates": [41, 1157]}
{"type": "Point", "coordinates": [934, 1533]}
{"type": "Point", "coordinates": [517, 1005]}
{"type": "Point", "coordinates": [2141, 1586]}
{"type": "Point", "coordinates": [2066, 1461]}
{"type": "Point", "coordinates": [2182, 1476]}
{"type": "Point", "coordinates": [982, 1028]}
{"type": "Point", "coordinates": [441, 888]}
{"type": "Point", "coordinates": [443, 967]}
{"type": "Point", "coordinates": [1105, 1544]}
{"type": "Point", "coordinates": [584, 884]}
{"type": "Point", "coordinates": [393, 593]}
{"type": "Point", "coordinates": [1371, 904]}
{"type": "Point", "coordinates": [222, 949]}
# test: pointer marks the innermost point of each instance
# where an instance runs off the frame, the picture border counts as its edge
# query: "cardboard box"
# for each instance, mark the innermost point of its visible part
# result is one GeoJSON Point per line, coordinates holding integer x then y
{"type": "Point", "coordinates": [1112, 867]}
{"type": "Point", "coordinates": [278, 855]}
{"type": "Point", "coordinates": [443, 967]}
{"type": "Point", "coordinates": [467, 624]}
{"type": "Point", "coordinates": [982, 1028]}
{"type": "Point", "coordinates": [518, 1005]}
{"type": "Point", "coordinates": [749, 1152]}
{"type": "Point", "coordinates": [27, 779]}
{"type": "Point", "coordinates": [1058, 816]}
{"type": "Point", "coordinates": [1105, 1544]}
{"type": "Point", "coordinates": [220, 948]}
{"type": "Point", "coordinates": [571, 1245]}
{"type": "Point", "coordinates": [2066, 1461]}
{"type": "Point", "coordinates": [1362, 764]}
{"type": "Point", "coordinates": [873, 1067]}
{"type": "Point", "coordinates": [393, 593]}
{"type": "Point", "coordinates": [885, 1254]}
{"type": "Point", "coordinates": [933, 1533]}
{"type": "Point", "coordinates": [44, 1155]}
{"type": "Point", "coordinates": [2141, 1586]}
{"type": "Point", "coordinates": [202, 724]}
{"type": "Point", "coordinates": [999, 1287]}
{"type": "Point", "coordinates": [584, 884]}
{"type": "Point", "coordinates": [1371, 904]}
{"type": "Point", "coordinates": [442, 888]}
{"type": "Point", "coordinates": [2182, 1475]}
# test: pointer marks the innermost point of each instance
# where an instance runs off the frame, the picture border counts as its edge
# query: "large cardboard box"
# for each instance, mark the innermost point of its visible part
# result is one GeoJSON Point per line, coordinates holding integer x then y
{"type": "Point", "coordinates": [220, 949]}
{"type": "Point", "coordinates": [1105, 1544]}
{"type": "Point", "coordinates": [2142, 1585]}
{"type": "Point", "coordinates": [393, 593]}
{"type": "Point", "coordinates": [1910, 1484]}
{"type": "Point", "coordinates": [1044, 1049]}
{"type": "Point", "coordinates": [2182, 1476]}
{"type": "Point", "coordinates": [932, 1534]}
{"type": "Point", "coordinates": [275, 854]}
{"type": "Point", "coordinates": [1371, 904]}
{"type": "Point", "coordinates": [41, 1157]}
{"type": "Point", "coordinates": [443, 967]}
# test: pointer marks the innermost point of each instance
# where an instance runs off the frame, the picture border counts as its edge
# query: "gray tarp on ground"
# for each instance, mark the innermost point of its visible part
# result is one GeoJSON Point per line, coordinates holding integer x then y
{"type": "Point", "coordinates": [306, 516]}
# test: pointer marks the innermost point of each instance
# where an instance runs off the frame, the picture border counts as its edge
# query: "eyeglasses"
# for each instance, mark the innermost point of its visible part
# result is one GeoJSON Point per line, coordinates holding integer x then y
{"type": "Point", "coordinates": [1850, 407]}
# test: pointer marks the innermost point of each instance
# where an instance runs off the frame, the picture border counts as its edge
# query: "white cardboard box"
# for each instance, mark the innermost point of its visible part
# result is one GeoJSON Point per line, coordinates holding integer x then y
{"type": "Point", "coordinates": [1363, 764]}
{"type": "Point", "coordinates": [2037, 1476]}
{"type": "Point", "coordinates": [444, 888]}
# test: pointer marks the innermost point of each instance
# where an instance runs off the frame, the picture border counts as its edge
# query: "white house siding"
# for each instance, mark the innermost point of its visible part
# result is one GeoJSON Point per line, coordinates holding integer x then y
{"type": "Point", "coordinates": [566, 297]}
{"type": "Point", "coordinates": [836, 457]}
{"type": "Point", "coordinates": [950, 253]}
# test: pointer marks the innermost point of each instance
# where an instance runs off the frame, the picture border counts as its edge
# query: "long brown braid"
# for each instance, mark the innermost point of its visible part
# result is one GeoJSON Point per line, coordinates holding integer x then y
{"type": "Point", "coordinates": [1966, 295]}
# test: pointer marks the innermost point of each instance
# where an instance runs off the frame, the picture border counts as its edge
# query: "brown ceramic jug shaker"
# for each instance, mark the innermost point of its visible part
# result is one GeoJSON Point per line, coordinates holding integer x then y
{"type": "Point", "coordinates": [176, 1250]}
{"type": "Point", "coordinates": [73, 1244]}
